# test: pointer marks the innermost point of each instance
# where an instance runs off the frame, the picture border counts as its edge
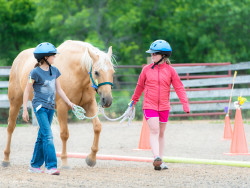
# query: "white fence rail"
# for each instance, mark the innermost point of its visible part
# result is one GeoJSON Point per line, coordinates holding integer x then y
{"type": "Point", "coordinates": [215, 91]}
{"type": "Point", "coordinates": [211, 92]}
{"type": "Point", "coordinates": [215, 68]}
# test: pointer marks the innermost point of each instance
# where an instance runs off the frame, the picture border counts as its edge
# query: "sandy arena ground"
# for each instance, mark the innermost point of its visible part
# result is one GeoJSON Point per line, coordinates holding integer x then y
{"type": "Point", "coordinates": [188, 139]}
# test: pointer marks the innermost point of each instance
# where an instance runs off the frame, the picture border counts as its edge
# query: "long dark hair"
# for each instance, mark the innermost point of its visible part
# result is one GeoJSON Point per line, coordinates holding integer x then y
{"type": "Point", "coordinates": [39, 63]}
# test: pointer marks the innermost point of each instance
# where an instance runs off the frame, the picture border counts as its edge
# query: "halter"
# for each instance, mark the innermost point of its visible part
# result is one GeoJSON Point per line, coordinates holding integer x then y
{"type": "Point", "coordinates": [94, 84]}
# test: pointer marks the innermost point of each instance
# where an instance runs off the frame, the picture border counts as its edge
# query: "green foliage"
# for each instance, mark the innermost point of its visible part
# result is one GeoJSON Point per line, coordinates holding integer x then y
{"type": "Point", "coordinates": [16, 27]}
{"type": "Point", "coordinates": [198, 31]}
{"type": "Point", "coordinates": [210, 30]}
{"type": "Point", "coordinates": [59, 21]}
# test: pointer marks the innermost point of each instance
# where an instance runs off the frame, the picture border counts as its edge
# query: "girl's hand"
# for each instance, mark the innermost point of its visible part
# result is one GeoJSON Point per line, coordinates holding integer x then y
{"type": "Point", "coordinates": [186, 108]}
{"type": "Point", "coordinates": [133, 106]}
{"type": "Point", "coordinates": [25, 116]}
{"type": "Point", "coordinates": [71, 105]}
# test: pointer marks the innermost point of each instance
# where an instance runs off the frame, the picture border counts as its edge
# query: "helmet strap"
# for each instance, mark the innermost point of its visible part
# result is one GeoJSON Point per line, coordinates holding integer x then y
{"type": "Point", "coordinates": [49, 66]}
{"type": "Point", "coordinates": [158, 61]}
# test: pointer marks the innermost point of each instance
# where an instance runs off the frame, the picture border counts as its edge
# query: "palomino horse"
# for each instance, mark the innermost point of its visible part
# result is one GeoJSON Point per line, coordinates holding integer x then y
{"type": "Point", "coordinates": [74, 62]}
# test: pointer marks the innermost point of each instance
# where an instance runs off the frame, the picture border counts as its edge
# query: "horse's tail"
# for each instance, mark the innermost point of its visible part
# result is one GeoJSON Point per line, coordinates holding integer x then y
{"type": "Point", "coordinates": [20, 70]}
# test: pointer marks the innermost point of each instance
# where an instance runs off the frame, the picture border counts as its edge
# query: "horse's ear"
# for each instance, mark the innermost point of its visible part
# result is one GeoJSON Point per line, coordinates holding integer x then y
{"type": "Point", "coordinates": [93, 55]}
{"type": "Point", "coordinates": [110, 52]}
{"type": "Point", "coordinates": [88, 58]}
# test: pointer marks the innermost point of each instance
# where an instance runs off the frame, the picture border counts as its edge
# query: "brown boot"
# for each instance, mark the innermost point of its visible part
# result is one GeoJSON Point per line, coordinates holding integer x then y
{"type": "Point", "coordinates": [157, 163]}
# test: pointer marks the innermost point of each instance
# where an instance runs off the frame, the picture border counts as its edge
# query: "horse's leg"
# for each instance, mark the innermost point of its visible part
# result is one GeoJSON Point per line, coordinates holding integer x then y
{"type": "Point", "coordinates": [62, 115]}
{"type": "Point", "coordinates": [91, 110]}
{"type": "Point", "coordinates": [15, 104]}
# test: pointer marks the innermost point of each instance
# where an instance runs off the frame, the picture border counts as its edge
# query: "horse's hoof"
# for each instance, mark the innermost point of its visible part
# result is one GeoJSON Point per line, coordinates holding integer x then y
{"type": "Point", "coordinates": [66, 167]}
{"type": "Point", "coordinates": [5, 164]}
{"type": "Point", "coordinates": [89, 162]}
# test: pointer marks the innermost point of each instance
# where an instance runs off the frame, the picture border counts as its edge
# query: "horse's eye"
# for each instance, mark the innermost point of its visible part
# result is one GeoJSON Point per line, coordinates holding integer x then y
{"type": "Point", "coordinates": [97, 73]}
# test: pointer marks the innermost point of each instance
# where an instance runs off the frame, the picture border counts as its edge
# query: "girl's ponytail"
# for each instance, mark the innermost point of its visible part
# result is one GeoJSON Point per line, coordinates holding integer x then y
{"type": "Point", "coordinates": [39, 63]}
{"type": "Point", "coordinates": [168, 61]}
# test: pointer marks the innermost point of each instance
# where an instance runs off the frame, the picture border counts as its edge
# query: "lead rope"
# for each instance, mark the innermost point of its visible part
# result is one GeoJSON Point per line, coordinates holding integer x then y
{"type": "Point", "coordinates": [79, 112]}
{"type": "Point", "coordinates": [128, 114]}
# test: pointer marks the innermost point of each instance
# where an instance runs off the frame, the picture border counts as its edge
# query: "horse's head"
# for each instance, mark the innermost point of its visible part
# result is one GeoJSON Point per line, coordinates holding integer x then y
{"type": "Point", "coordinates": [101, 72]}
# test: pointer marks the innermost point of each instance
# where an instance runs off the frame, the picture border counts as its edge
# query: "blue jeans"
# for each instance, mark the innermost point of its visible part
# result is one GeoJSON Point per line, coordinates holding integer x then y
{"type": "Point", "coordinates": [44, 150]}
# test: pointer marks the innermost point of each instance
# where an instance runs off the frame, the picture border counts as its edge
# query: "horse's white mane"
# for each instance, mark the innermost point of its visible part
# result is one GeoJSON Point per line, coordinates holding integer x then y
{"type": "Point", "coordinates": [103, 57]}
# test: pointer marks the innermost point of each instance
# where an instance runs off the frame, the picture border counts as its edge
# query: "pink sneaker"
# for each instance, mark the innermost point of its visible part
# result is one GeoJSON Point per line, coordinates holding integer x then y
{"type": "Point", "coordinates": [35, 170]}
{"type": "Point", "coordinates": [52, 171]}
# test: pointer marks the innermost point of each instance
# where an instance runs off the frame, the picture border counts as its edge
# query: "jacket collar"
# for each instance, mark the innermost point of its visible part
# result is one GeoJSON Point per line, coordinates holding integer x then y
{"type": "Point", "coordinates": [160, 65]}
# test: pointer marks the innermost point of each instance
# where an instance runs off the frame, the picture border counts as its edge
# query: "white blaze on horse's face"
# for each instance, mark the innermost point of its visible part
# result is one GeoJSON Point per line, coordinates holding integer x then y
{"type": "Point", "coordinates": [103, 71]}
{"type": "Point", "coordinates": [104, 91]}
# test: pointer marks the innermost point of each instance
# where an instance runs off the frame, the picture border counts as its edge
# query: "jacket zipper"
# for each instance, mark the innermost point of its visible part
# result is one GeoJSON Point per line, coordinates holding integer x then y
{"type": "Point", "coordinates": [158, 88]}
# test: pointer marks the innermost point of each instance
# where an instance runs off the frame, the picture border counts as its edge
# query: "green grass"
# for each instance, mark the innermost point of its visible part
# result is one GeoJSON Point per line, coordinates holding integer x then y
{"type": "Point", "coordinates": [17, 125]}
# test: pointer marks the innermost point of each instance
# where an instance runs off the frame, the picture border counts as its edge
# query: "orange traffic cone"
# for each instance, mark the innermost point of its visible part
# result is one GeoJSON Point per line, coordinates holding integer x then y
{"type": "Point", "coordinates": [239, 143]}
{"type": "Point", "coordinates": [227, 128]}
{"type": "Point", "coordinates": [144, 142]}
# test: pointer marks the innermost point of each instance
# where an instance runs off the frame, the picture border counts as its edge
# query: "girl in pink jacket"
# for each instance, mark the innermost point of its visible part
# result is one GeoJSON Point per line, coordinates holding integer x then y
{"type": "Point", "coordinates": [155, 80]}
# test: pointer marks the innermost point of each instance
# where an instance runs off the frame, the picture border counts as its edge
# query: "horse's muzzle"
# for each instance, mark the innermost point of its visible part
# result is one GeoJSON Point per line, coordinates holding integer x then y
{"type": "Point", "coordinates": [106, 101]}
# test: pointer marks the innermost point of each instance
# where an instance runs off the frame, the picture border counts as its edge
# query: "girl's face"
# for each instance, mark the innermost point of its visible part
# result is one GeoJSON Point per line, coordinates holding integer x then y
{"type": "Point", "coordinates": [51, 59]}
{"type": "Point", "coordinates": [155, 57]}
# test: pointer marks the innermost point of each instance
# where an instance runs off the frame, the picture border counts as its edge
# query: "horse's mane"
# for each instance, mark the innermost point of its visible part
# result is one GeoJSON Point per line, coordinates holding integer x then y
{"type": "Point", "coordinates": [104, 62]}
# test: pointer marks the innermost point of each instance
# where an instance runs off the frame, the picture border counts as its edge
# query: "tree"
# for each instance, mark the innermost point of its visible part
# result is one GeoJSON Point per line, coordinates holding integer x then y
{"type": "Point", "coordinates": [198, 31]}
{"type": "Point", "coordinates": [17, 32]}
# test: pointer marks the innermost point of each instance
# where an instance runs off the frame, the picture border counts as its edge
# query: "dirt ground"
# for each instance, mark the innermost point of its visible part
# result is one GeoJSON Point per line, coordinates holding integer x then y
{"type": "Point", "coordinates": [187, 139]}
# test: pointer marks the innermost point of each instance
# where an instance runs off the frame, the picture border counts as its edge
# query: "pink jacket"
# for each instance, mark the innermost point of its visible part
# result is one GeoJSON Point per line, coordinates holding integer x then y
{"type": "Point", "coordinates": [156, 86]}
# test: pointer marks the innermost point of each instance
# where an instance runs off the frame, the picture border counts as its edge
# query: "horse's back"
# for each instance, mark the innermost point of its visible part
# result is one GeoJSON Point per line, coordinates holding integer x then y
{"type": "Point", "coordinates": [74, 45]}
{"type": "Point", "coordinates": [19, 73]}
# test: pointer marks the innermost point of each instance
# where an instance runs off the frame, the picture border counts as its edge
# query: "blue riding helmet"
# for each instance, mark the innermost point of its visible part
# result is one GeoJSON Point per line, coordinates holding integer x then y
{"type": "Point", "coordinates": [161, 47]}
{"type": "Point", "coordinates": [44, 49]}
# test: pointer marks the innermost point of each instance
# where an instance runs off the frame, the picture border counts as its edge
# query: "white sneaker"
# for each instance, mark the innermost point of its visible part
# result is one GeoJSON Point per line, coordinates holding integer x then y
{"type": "Point", "coordinates": [35, 170]}
{"type": "Point", "coordinates": [164, 166]}
{"type": "Point", "coordinates": [52, 171]}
